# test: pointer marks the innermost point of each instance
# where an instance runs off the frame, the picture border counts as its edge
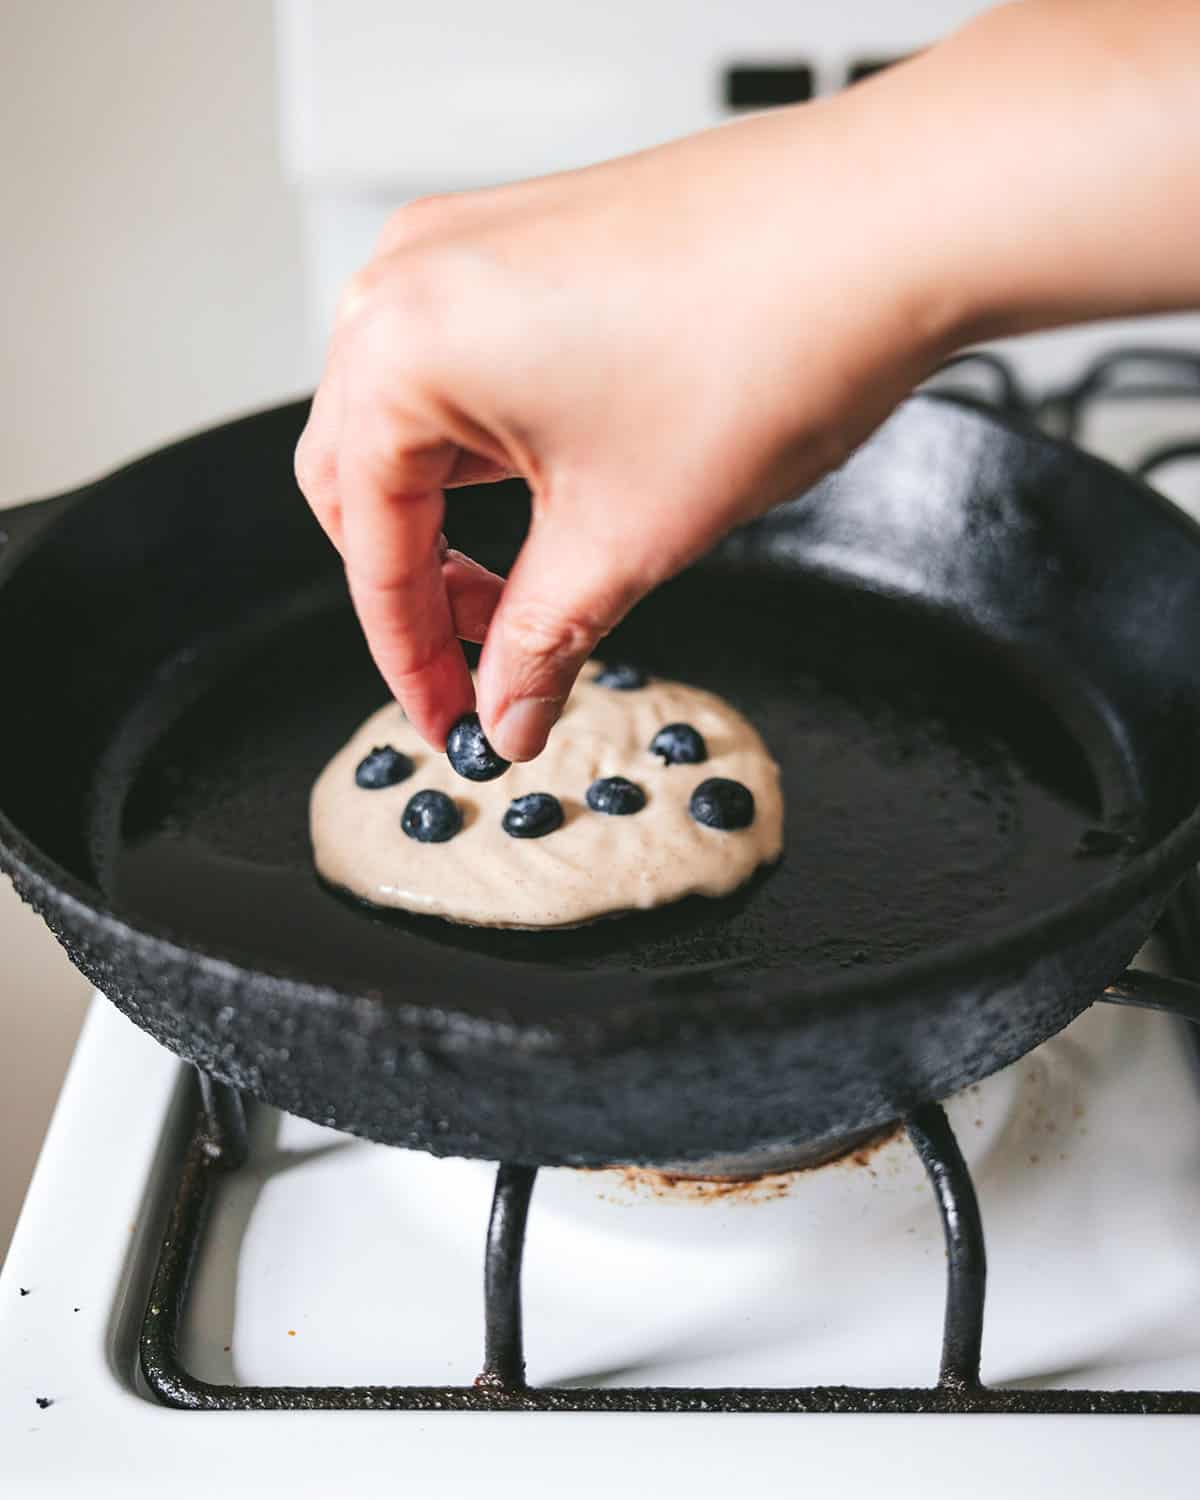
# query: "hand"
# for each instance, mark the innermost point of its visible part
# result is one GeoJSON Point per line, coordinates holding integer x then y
{"type": "Point", "coordinates": [667, 345]}
{"type": "Point", "coordinates": [662, 346]}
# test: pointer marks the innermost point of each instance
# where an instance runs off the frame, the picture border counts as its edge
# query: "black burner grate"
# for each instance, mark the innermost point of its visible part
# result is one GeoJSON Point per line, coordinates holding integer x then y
{"type": "Point", "coordinates": [1170, 377]}
{"type": "Point", "coordinates": [218, 1146]}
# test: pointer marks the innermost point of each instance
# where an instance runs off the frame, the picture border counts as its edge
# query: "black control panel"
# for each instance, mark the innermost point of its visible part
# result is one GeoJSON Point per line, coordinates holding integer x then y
{"type": "Point", "coordinates": [748, 86]}
{"type": "Point", "coordinates": [763, 85]}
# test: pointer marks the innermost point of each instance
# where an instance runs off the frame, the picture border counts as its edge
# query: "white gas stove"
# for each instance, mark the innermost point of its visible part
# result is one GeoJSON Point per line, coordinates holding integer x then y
{"type": "Point", "coordinates": [330, 1260]}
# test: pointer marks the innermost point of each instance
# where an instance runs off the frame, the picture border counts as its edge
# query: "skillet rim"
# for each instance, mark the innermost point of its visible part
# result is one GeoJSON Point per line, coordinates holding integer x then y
{"type": "Point", "coordinates": [682, 1001]}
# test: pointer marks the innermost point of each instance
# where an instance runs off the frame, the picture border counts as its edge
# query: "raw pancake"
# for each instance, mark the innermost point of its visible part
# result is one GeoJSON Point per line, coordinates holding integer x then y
{"type": "Point", "coordinates": [596, 864]}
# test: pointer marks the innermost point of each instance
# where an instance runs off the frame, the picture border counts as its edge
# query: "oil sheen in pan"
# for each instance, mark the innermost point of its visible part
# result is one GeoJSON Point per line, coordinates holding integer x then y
{"type": "Point", "coordinates": [932, 794]}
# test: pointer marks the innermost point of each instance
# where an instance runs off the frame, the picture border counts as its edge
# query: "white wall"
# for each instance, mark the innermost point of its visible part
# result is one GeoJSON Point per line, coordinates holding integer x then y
{"type": "Point", "coordinates": [151, 281]}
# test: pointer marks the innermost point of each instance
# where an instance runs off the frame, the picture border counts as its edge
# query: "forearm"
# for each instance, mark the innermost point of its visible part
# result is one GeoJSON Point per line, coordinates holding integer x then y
{"type": "Point", "coordinates": [1054, 146]}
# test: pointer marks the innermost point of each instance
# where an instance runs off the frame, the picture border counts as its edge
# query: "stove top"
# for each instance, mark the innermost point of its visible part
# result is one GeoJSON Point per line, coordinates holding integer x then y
{"type": "Point", "coordinates": [333, 1260]}
{"type": "Point", "coordinates": [330, 1262]}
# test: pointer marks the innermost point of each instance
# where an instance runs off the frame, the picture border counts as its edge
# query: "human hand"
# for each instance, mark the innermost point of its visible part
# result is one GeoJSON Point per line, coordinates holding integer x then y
{"type": "Point", "coordinates": [662, 346]}
{"type": "Point", "coordinates": [666, 345]}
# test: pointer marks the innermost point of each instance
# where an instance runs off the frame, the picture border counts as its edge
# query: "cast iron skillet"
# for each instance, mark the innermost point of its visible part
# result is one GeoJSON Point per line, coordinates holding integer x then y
{"type": "Point", "coordinates": [973, 651]}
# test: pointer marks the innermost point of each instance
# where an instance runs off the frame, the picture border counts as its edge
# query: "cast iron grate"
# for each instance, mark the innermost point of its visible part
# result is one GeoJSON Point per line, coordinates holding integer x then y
{"type": "Point", "coordinates": [1169, 377]}
{"type": "Point", "coordinates": [218, 1146]}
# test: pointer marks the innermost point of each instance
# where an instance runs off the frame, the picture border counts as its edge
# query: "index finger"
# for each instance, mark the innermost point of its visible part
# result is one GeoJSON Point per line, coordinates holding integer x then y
{"type": "Point", "coordinates": [392, 511]}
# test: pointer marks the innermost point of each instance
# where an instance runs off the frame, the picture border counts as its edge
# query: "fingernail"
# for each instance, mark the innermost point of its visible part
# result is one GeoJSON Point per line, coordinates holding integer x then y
{"type": "Point", "coordinates": [523, 727]}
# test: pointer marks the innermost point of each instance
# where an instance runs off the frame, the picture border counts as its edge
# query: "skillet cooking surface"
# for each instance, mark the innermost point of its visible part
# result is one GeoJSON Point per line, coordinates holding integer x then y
{"type": "Point", "coordinates": [929, 797]}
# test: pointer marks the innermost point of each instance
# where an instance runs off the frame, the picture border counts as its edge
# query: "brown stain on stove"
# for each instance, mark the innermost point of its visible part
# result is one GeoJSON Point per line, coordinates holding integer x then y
{"type": "Point", "coordinates": [680, 1187]}
{"type": "Point", "coordinates": [646, 1182]}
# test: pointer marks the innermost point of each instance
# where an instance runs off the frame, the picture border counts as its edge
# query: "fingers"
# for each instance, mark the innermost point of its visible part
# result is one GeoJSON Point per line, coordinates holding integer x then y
{"type": "Point", "coordinates": [410, 632]}
{"type": "Point", "coordinates": [473, 468]}
{"type": "Point", "coordinates": [316, 452]}
{"type": "Point", "coordinates": [422, 666]}
{"type": "Point", "coordinates": [316, 461]}
{"type": "Point", "coordinates": [389, 482]}
{"type": "Point", "coordinates": [474, 593]}
{"type": "Point", "coordinates": [566, 591]}
{"type": "Point", "coordinates": [372, 461]}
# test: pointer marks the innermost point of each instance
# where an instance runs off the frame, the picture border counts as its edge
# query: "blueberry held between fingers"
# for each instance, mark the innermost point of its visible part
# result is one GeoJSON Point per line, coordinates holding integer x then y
{"type": "Point", "coordinates": [679, 745]}
{"type": "Point", "coordinates": [615, 795]}
{"type": "Point", "coordinates": [532, 816]}
{"type": "Point", "coordinates": [621, 676]}
{"type": "Point", "coordinates": [384, 766]}
{"type": "Point", "coordinates": [468, 751]}
{"type": "Point", "coordinates": [722, 803]}
{"type": "Point", "coordinates": [431, 817]}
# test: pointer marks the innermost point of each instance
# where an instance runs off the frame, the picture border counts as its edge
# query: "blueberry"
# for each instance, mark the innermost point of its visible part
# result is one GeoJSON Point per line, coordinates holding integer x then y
{"type": "Point", "coordinates": [622, 677]}
{"type": "Point", "coordinates": [679, 745]}
{"type": "Point", "coordinates": [384, 766]}
{"type": "Point", "coordinates": [533, 816]}
{"type": "Point", "coordinates": [721, 803]}
{"type": "Point", "coordinates": [469, 753]}
{"type": "Point", "coordinates": [615, 795]}
{"type": "Point", "coordinates": [431, 817]}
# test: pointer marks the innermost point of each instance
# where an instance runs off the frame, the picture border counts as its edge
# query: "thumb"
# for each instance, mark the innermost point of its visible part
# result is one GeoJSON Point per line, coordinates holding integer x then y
{"type": "Point", "coordinates": [566, 591]}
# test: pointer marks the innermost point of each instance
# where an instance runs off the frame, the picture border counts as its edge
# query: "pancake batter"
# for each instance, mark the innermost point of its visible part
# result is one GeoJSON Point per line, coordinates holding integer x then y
{"type": "Point", "coordinates": [612, 850]}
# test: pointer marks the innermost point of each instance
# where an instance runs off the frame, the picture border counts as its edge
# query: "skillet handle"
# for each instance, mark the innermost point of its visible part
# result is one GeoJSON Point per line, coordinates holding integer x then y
{"type": "Point", "coordinates": [19, 524]}
{"type": "Point", "coordinates": [1178, 997]}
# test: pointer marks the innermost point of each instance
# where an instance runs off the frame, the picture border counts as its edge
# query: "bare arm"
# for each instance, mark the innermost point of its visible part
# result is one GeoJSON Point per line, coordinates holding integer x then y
{"type": "Point", "coordinates": [1070, 186]}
